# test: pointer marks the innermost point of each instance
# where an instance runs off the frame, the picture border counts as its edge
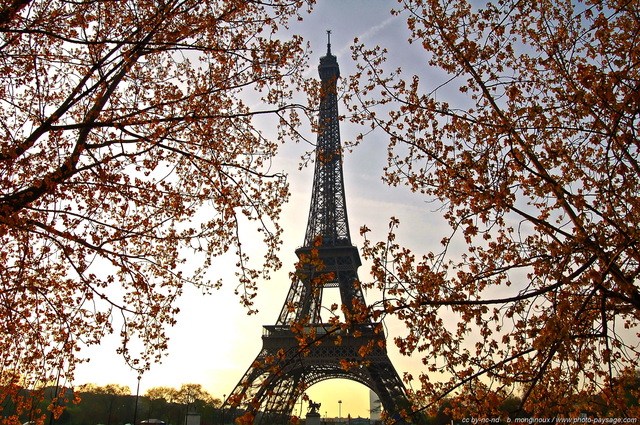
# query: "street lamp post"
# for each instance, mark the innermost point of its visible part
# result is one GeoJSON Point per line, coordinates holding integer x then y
{"type": "Point", "coordinates": [340, 411]}
{"type": "Point", "coordinates": [135, 410]}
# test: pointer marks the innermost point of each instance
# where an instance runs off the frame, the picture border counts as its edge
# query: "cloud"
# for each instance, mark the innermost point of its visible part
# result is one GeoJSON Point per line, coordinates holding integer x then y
{"type": "Point", "coordinates": [367, 35]}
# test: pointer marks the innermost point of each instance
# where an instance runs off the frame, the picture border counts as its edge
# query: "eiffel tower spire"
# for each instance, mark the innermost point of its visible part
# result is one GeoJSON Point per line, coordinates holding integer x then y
{"type": "Point", "coordinates": [328, 212]}
{"type": "Point", "coordinates": [300, 350]}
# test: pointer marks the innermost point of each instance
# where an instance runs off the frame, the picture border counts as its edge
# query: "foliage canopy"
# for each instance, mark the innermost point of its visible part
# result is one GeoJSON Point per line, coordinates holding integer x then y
{"type": "Point", "coordinates": [125, 146]}
{"type": "Point", "coordinates": [535, 163]}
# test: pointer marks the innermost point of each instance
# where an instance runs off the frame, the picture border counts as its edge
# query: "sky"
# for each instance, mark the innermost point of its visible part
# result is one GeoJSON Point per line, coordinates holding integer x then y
{"type": "Point", "coordinates": [215, 341]}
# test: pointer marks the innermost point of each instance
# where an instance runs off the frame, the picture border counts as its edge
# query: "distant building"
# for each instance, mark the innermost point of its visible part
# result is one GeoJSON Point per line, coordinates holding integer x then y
{"type": "Point", "coordinates": [375, 406]}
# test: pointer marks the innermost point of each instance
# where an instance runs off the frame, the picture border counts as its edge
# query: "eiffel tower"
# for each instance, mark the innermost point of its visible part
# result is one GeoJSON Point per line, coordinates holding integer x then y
{"type": "Point", "coordinates": [300, 350]}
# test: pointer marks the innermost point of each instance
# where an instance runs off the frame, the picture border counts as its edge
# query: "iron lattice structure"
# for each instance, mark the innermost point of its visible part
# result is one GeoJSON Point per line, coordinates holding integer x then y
{"type": "Point", "coordinates": [300, 350]}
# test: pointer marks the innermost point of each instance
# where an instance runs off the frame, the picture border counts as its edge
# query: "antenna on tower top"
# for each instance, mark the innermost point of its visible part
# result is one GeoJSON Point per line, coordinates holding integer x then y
{"type": "Point", "coordinates": [328, 42]}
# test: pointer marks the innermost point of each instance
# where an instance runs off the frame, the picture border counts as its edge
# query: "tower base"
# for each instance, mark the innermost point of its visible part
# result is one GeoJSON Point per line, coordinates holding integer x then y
{"type": "Point", "coordinates": [289, 363]}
